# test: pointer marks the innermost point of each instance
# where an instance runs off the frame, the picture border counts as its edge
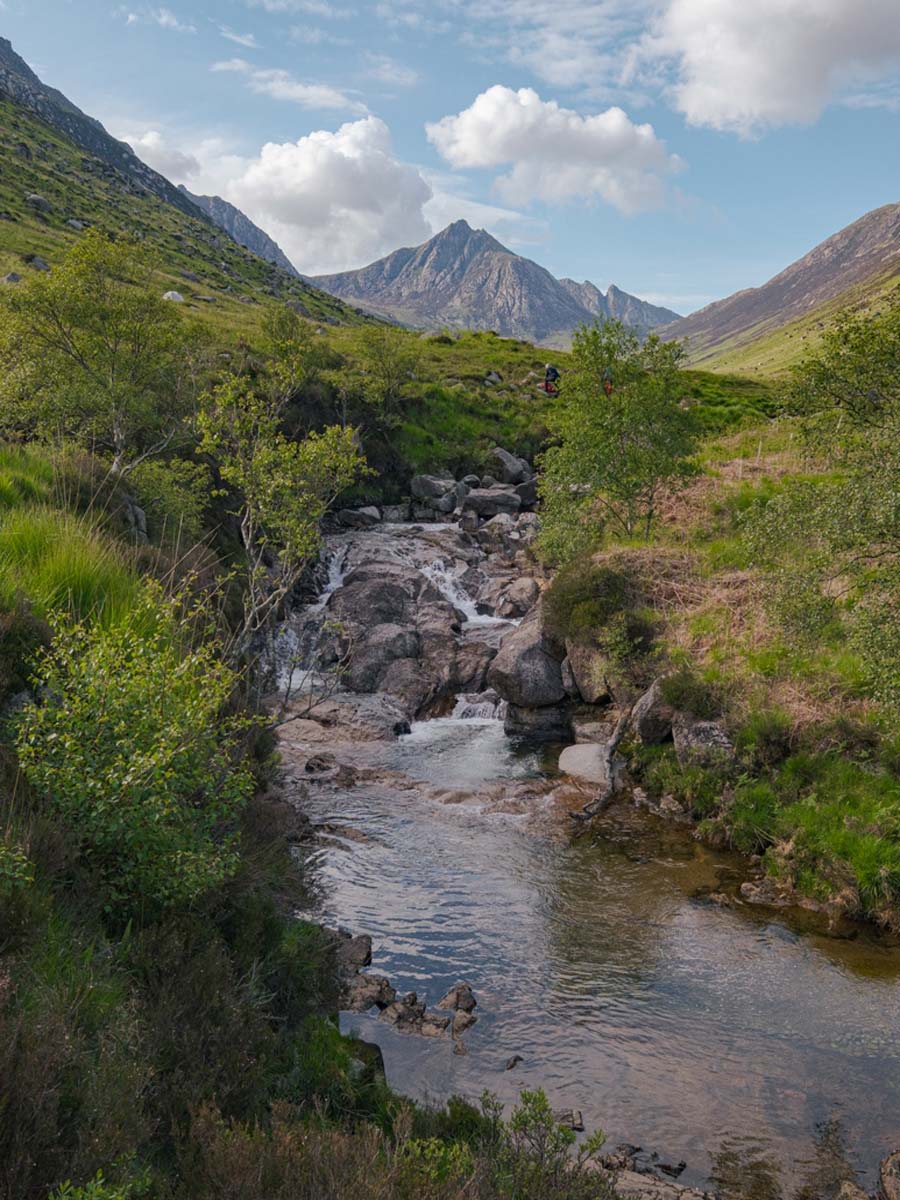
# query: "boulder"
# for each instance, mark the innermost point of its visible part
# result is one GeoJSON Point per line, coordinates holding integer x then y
{"type": "Point", "coordinates": [395, 514]}
{"type": "Point", "coordinates": [889, 1177]}
{"type": "Point", "coordinates": [368, 602]}
{"type": "Point", "coordinates": [406, 1013]}
{"type": "Point", "coordinates": [75, 224]}
{"type": "Point", "coordinates": [488, 481]}
{"type": "Point", "coordinates": [473, 661]}
{"type": "Point", "coordinates": [488, 502]}
{"type": "Point", "coordinates": [851, 1191]}
{"type": "Point", "coordinates": [431, 487]}
{"type": "Point", "coordinates": [373, 654]}
{"type": "Point", "coordinates": [568, 678]}
{"type": "Point", "coordinates": [589, 668]}
{"type": "Point", "coordinates": [700, 743]}
{"type": "Point", "coordinates": [422, 512]}
{"type": "Point", "coordinates": [175, 297]}
{"type": "Point", "coordinates": [37, 263]}
{"type": "Point", "coordinates": [350, 952]}
{"type": "Point", "coordinates": [460, 998]}
{"type": "Point", "coordinates": [433, 1025]}
{"type": "Point", "coordinates": [38, 203]}
{"type": "Point", "coordinates": [471, 481]}
{"type": "Point", "coordinates": [361, 992]}
{"type": "Point", "coordinates": [444, 504]}
{"type": "Point", "coordinates": [463, 1021]}
{"type": "Point", "coordinates": [527, 493]}
{"type": "Point", "coordinates": [190, 276]}
{"type": "Point", "coordinates": [526, 671]}
{"type": "Point", "coordinates": [493, 378]}
{"type": "Point", "coordinates": [359, 518]}
{"type": "Point", "coordinates": [519, 598]}
{"type": "Point", "coordinates": [552, 723]}
{"type": "Point", "coordinates": [587, 761]}
{"type": "Point", "coordinates": [12, 277]}
{"type": "Point", "coordinates": [651, 717]}
{"type": "Point", "coordinates": [512, 468]}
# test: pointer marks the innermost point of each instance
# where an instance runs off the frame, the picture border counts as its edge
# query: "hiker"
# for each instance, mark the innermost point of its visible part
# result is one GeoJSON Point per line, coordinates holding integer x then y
{"type": "Point", "coordinates": [551, 379]}
{"type": "Point", "coordinates": [607, 381]}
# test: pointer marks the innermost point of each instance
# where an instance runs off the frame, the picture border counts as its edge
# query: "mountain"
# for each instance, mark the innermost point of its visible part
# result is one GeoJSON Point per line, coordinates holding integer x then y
{"type": "Point", "coordinates": [61, 172]}
{"type": "Point", "coordinates": [464, 278]}
{"type": "Point", "coordinates": [768, 327]}
{"type": "Point", "coordinates": [242, 229]}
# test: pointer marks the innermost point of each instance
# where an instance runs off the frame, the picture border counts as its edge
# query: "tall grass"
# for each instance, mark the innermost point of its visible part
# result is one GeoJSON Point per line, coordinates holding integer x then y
{"type": "Point", "coordinates": [26, 476]}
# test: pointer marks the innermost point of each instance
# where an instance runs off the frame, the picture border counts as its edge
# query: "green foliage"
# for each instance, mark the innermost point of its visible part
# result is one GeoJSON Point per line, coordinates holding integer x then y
{"type": "Point", "coordinates": [93, 352]}
{"type": "Point", "coordinates": [383, 362]}
{"type": "Point", "coordinates": [151, 790]}
{"type": "Point", "coordinates": [175, 495]}
{"type": "Point", "coordinates": [686, 693]}
{"type": "Point", "coordinates": [99, 1189]}
{"type": "Point", "coordinates": [583, 598]}
{"type": "Point", "coordinates": [25, 477]}
{"type": "Point", "coordinates": [613, 455]}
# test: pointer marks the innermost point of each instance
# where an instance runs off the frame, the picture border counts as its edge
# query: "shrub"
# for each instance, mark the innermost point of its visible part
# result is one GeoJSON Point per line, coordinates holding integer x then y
{"type": "Point", "coordinates": [766, 738]}
{"type": "Point", "coordinates": [583, 598]}
{"type": "Point", "coordinates": [175, 495]}
{"type": "Point", "coordinates": [16, 884]}
{"type": "Point", "coordinates": [686, 693]}
{"type": "Point", "coordinates": [100, 1189]}
{"type": "Point", "coordinates": [130, 747]}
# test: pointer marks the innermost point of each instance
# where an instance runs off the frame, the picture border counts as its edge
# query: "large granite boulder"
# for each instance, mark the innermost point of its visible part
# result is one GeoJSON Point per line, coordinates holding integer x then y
{"type": "Point", "coordinates": [374, 653]}
{"type": "Point", "coordinates": [512, 468]}
{"type": "Point", "coordinates": [488, 502]}
{"type": "Point", "coordinates": [651, 717]}
{"type": "Point", "coordinates": [431, 487]}
{"type": "Point", "coordinates": [590, 670]}
{"type": "Point", "coordinates": [526, 671]}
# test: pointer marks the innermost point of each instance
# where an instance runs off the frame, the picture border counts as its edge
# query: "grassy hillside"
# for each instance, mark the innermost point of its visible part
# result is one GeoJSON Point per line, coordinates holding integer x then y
{"type": "Point", "coordinates": [233, 285]}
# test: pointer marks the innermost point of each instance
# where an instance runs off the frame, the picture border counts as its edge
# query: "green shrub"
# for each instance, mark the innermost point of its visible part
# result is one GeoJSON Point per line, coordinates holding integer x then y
{"type": "Point", "coordinates": [130, 747]}
{"type": "Point", "coordinates": [752, 816]}
{"type": "Point", "coordinates": [16, 891]}
{"type": "Point", "coordinates": [686, 693]}
{"type": "Point", "coordinates": [100, 1189]}
{"type": "Point", "coordinates": [175, 496]}
{"type": "Point", "coordinates": [583, 598]}
{"type": "Point", "coordinates": [766, 738]}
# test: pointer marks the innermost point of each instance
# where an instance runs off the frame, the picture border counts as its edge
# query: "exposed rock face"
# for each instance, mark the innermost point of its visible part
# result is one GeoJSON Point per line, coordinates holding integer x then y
{"type": "Point", "coordinates": [526, 671]}
{"type": "Point", "coordinates": [651, 717]}
{"type": "Point", "coordinates": [552, 723]}
{"type": "Point", "coordinates": [589, 670]}
{"type": "Point", "coordinates": [383, 645]}
{"type": "Point", "coordinates": [431, 487]}
{"type": "Point", "coordinates": [465, 279]}
{"type": "Point", "coordinates": [488, 502]}
{"type": "Point", "coordinates": [460, 998]}
{"type": "Point", "coordinates": [242, 229]}
{"type": "Point", "coordinates": [700, 743]}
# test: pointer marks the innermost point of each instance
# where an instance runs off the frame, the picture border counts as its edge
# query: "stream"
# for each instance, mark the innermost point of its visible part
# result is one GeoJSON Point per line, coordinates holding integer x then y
{"type": "Point", "coordinates": [747, 1043]}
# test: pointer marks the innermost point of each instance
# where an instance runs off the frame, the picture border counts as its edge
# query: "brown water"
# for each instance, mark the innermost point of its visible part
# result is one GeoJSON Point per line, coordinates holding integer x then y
{"type": "Point", "coordinates": [737, 1041]}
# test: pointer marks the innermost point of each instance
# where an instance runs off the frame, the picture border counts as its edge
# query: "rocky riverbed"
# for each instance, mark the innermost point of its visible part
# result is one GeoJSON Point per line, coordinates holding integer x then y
{"type": "Point", "coordinates": [621, 969]}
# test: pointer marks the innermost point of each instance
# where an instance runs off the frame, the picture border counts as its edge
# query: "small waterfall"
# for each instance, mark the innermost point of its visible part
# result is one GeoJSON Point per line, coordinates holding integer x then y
{"type": "Point", "coordinates": [297, 640]}
{"type": "Point", "coordinates": [447, 579]}
{"type": "Point", "coordinates": [479, 706]}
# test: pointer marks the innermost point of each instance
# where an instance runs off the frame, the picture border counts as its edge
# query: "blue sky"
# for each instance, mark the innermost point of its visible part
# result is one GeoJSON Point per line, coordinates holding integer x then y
{"type": "Point", "coordinates": [681, 149]}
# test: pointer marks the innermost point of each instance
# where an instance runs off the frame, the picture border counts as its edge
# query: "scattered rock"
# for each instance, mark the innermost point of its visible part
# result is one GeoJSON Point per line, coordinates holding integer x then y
{"type": "Point", "coordinates": [190, 276]}
{"type": "Point", "coordinates": [512, 468]}
{"type": "Point", "coordinates": [12, 277]}
{"type": "Point", "coordinates": [527, 493]}
{"type": "Point", "coordinates": [513, 1062]}
{"type": "Point", "coordinates": [492, 379]}
{"type": "Point", "coordinates": [359, 518]}
{"type": "Point", "coordinates": [488, 502]}
{"type": "Point", "coordinates": [590, 669]}
{"type": "Point", "coordinates": [700, 743]}
{"type": "Point", "coordinates": [552, 723]}
{"type": "Point", "coordinates": [526, 671]}
{"type": "Point", "coordinates": [586, 760]}
{"type": "Point", "coordinates": [38, 203]}
{"type": "Point", "coordinates": [768, 893]}
{"type": "Point", "coordinates": [37, 263]}
{"type": "Point", "coordinates": [75, 224]}
{"type": "Point", "coordinates": [431, 487]}
{"type": "Point", "coordinates": [175, 297]}
{"type": "Point", "coordinates": [651, 717]}
{"type": "Point", "coordinates": [460, 998]}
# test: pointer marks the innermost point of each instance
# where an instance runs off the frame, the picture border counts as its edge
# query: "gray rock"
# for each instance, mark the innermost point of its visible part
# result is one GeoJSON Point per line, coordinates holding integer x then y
{"type": "Point", "coordinates": [512, 468]}
{"type": "Point", "coordinates": [382, 645]}
{"type": "Point", "coordinates": [395, 514]}
{"type": "Point", "coordinates": [422, 512]}
{"type": "Point", "coordinates": [368, 602]}
{"type": "Point", "coordinates": [75, 224]}
{"type": "Point", "coordinates": [513, 1062]}
{"type": "Point", "coordinates": [359, 518]}
{"type": "Point", "coordinates": [587, 761]}
{"type": "Point", "coordinates": [463, 1021]}
{"type": "Point", "coordinates": [589, 667]}
{"type": "Point", "coordinates": [527, 493]}
{"type": "Point", "coordinates": [361, 992]}
{"type": "Point", "coordinates": [700, 743]}
{"type": "Point", "coordinates": [548, 724]}
{"type": "Point", "coordinates": [37, 263]}
{"type": "Point", "coordinates": [651, 717]}
{"type": "Point", "coordinates": [488, 502]}
{"type": "Point", "coordinates": [431, 487]}
{"type": "Point", "coordinates": [638, 1186]}
{"type": "Point", "coordinates": [471, 481]}
{"type": "Point", "coordinates": [460, 998]}
{"type": "Point", "coordinates": [12, 277]}
{"type": "Point", "coordinates": [175, 297]}
{"type": "Point", "coordinates": [526, 671]}
{"type": "Point", "coordinates": [889, 1177]}
{"type": "Point", "coordinates": [38, 203]}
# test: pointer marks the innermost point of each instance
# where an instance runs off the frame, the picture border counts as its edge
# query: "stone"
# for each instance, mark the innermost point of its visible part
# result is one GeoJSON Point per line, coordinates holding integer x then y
{"type": "Point", "coordinates": [351, 952]}
{"type": "Point", "coordinates": [471, 481]}
{"type": "Point", "coordinates": [12, 277]}
{"type": "Point", "coordinates": [443, 504]}
{"type": "Point", "coordinates": [421, 512]}
{"type": "Point", "coordinates": [406, 1013]}
{"type": "Point", "coordinates": [75, 224]}
{"type": "Point", "coordinates": [568, 679]}
{"type": "Point", "coordinates": [434, 1026]}
{"type": "Point", "coordinates": [851, 1191]}
{"type": "Point", "coordinates": [395, 514]}
{"type": "Point", "coordinates": [368, 602]}
{"type": "Point", "coordinates": [767, 893]}
{"type": "Point", "coordinates": [587, 761]}
{"type": "Point", "coordinates": [512, 468]}
{"type": "Point", "coordinates": [460, 998]}
{"type": "Point", "coordinates": [700, 743]}
{"type": "Point", "coordinates": [552, 723]}
{"type": "Point", "coordinates": [488, 502]}
{"type": "Point", "coordinates": [406, 679]}
{"type": "Point", "coordinates": [519, 598]}
{"type": "Point", "coordinates": [889, 1177]}
{"type": "Point", "coordinates": [175, 297]}
{"type": "Point", "coordinates": [359, 518]}
{"type": "Point", "coordinates": [37, 263]}
{"type": "Point", "coordinates": [527, 493]}
{"type": "Point", "coordinates": [373, 654]}
{"type": "Point", "coordinates": [651, 717]}
{"type": "Point", "coordinates": [463, 1021]}
{"type": "Point", "coordinates": [527, 669]}
{"type": "Point", "coordinates": [571, 1118]}
{"type": "Point", "coordinates": [513, 1062]}
{"type": "Point", "coordinates": [493, 378]}
{"type": "Point", "coordinates": [38, 203]}
{"type": "Point", "coordinates": [431, 487]}
{"type": "Point", "coordinates": [488, 481]}
{"type": "Point", "coordinates": [190, 276]}
{"type": "Point", "coordinates": [589, 667]}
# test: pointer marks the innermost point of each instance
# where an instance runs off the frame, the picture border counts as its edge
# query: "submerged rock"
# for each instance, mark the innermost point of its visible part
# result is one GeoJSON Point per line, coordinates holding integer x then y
{"type": "Point", "coordinates": [552, 723]}
{"type": "Point", "coordinates": [460, 998]}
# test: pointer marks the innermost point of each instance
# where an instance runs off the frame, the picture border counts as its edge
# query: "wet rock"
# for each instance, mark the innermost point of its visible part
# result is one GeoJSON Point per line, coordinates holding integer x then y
{"type": "Point", "coordinates": [365, 602]}
{"type": "Point", "coordinates": [407, 1012]}
{"type": "Point", "coordinates": [513, 1062]}
{"type": "Point", "coordinates": [590, 669]}
{"type": "Point", "coordinates": [512, 468]}
{"type": "Point", "coordinates": [460, 998]}
{"type": "Point", "coordinates": [488, 502]}
{"type": "Point", "coordinates": [431, 487]}
{"type": "Point", "coordinates": [700, 743]}
{"type": "Point", "coordinates": [406, 679]}
{"type": "Point", "coordinates": [351, 951]}
{"type": "Point", "coordinates": [463, 1021]}
{"type": "Point", "coordinates": [651, 717]}
{"type": "Point", "coordinates": [586, 760]}
{"type": "Point", "coordinates": [889, 1177]}
{"type": "Point", "coordinates": [471, 481]}
{"type": "Point", "coordinates": [359, 518]}
{"type": "Point", "coordinates": [851, 1191]}
{"type": "Point", "coordinates": [433, 1025]}
{"type": "Point", "coordinates": [360, 992]}
{"type": "Point", "coordinates": [471, 666]}
{"type": "Point", "coordinates": [318, 764]}
{"type": "Point", "coordinates": [550, 724]}
{"type": "Point", "coordinates": [527, 669]}
{"type": "Point", "coordinates": [381, 646]}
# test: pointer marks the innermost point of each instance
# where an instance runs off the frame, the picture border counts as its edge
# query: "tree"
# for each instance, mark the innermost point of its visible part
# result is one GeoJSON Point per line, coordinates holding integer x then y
{"type": "Point", "coordinates": [620, 435]}
{"type": "Point", "coordinates": [284, 488]}
{"type": "Point", "coordinates": [384, 359]}
{"type": "Point", "coordinates": [92, 351]}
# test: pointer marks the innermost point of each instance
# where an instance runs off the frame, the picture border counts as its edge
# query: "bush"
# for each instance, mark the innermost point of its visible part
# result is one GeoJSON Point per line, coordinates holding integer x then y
{"type": "Point", "coordinates": [583, 598]}
{"type": "Point", "coordinates": [175, 496]}
{"type": "Point", "coordinates": [766, 738]}
{"type": "Point", "coordinates": [16, 885]}
{"type": "Point", "coordinates": [686, 693]}
{"type": "Point", "coordinates": [130, 747]}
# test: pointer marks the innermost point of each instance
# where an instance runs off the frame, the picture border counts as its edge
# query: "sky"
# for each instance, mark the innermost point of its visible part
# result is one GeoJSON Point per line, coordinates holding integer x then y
{"type": "Point", "coordinates": [681, 149]}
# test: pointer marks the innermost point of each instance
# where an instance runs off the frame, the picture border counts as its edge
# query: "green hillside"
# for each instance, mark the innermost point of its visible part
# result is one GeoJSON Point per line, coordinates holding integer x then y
{"type": "Point", "coordinates": [232, 286]}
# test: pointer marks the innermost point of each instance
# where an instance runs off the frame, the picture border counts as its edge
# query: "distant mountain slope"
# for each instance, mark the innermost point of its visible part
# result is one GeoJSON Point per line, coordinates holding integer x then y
{"type": "Point", "coordinates": [241, 228]}
{"type": "Point", "coordinates": [464, 278]}
{"type": "Point", "coordinates": [861, 260]}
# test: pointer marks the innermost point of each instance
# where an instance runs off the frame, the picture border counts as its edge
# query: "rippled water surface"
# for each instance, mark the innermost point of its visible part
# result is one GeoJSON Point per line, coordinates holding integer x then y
{"type": "Point", "coordinates": [700, 1032]}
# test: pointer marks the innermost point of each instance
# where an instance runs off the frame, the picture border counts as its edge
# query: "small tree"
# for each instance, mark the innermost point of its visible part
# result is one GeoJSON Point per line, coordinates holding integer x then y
{"type": "Point", "coordinates": [384, 360]}
{"type": "Point", "coordinates": [284, 489]}
{"type": "Point", "coordinates": [621, 438]}
{"type": "Point", "coordinates": [92, 351]}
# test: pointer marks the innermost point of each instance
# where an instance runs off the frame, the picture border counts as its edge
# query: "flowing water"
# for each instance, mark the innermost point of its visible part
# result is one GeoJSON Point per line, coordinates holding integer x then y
{"type": "Point", "coordinates": [736, 1040]}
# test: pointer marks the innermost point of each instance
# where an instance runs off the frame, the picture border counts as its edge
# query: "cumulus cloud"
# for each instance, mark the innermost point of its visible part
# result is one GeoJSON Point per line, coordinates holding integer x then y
{"type": "Point", "coordinates": [334, 200]}
{"type": "Point", "coordinates": [745, 67]}
{"type": "Point", "coordinates": [281, 85]}
{"type": "Point", "coordinates": [553, 152]}
{"type": "Point", "coordinates": [177, 165]}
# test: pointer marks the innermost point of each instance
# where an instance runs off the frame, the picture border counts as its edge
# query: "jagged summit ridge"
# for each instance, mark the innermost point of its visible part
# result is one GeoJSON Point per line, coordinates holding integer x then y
{"type": "Point", "coordinates": [466, 278]}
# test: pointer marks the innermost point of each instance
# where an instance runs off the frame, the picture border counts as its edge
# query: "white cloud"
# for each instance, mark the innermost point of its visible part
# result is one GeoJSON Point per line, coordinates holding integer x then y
{"type": "Point", "coordinates": [312, 8]}
{"type": "Point", "coordinates": [163, 17]}
{"type": "Point", "coordinates": [248, 40]}
{"type": "Point", "coordinates": [554, 153]}
{"type": "Point", "coordinates": [334, 200]}
{"type": "Point", "coordinates": [744, 67]}
{"type": "Point", "coordinates": [387, 70]}
{"type": "Point", "coordinates": [314, 35]}
{"type": "Point", "coordinates": [281, 85]}
{"type": "Point", "coordinates": [151, 146]}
